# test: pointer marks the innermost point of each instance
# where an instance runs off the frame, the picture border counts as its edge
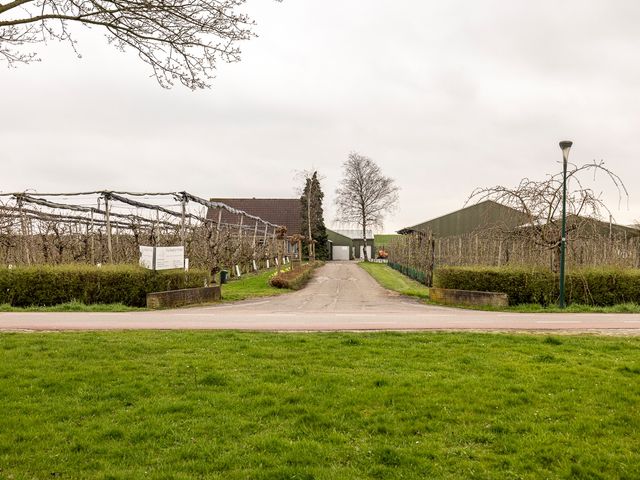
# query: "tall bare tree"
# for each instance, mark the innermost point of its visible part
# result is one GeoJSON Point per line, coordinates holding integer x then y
{"type": "Point", "coordinates": [541, 203]}
{"type": "Point", "coordinates": [364, 194]}
{"type": "Point", "coordinates": [180, 39]}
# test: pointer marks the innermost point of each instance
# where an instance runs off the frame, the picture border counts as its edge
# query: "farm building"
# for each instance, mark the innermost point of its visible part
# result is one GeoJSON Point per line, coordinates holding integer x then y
{"type": "Point", "coordinates": [482, 215]}
{"type": "Point", "coordinates": [489, 214]}
{"type": "Point", "coordinates": [349, 245]}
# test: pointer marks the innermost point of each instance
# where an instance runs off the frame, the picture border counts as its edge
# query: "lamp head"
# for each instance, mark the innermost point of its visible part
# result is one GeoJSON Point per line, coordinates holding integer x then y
{"type": "Point", "coordinates": [565, 145]}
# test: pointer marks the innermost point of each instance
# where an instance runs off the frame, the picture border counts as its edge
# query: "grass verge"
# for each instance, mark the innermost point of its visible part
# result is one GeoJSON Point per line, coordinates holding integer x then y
{"type": "Point", "coordinates": [73, 307]}
{"type": "Point", "coordinates": [393, 280]}
{"type": "Point", "coordinates": [251, 286]}
{"type": "Point", "coordinates": [573, 308]}
{"type": "Point", "coordinates": [228, 405]}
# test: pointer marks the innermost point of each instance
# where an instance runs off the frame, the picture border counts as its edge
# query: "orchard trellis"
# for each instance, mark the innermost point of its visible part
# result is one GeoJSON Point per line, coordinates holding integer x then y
{"type": "Point", "coordinates": [109, 227]}
{"type": "Point", "coordinates": [421, 252]}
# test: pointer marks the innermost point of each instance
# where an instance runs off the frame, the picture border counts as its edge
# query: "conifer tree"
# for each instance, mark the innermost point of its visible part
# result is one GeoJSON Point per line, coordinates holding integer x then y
{"type": "Point", "coordinates": [312, 217]}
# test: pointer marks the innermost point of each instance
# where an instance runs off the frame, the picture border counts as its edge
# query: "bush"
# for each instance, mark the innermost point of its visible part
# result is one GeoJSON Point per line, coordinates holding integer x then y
{"type": "Point", "coordinates": [46, 285]}
{"type": "Point", "coordinates": [295, 279]}
{"type": "Point", "coordinates": [602, 287]}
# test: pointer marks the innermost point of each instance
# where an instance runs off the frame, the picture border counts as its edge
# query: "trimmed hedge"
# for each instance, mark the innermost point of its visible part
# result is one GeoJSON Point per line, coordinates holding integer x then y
{"type": "Point", "coordinates": [46, 285]}
{"type": "Point", "coordinates": [601, 287]}
{"type": "Point", "coordinates": [295, 279]}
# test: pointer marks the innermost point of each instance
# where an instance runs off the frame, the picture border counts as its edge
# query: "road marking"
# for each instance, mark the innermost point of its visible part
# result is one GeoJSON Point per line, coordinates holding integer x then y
{"type": "Point", "coordinates": [375, 323]}
{"type": "Point", "coordinates": [559, 321]}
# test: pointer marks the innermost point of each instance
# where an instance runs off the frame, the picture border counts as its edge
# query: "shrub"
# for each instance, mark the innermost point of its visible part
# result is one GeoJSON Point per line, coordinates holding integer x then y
{"type": "Point", "coordinates": [601, 287]}
{"type": "Point", "coordinates": [46, 285]}
{"type": "Point", "coordinates": [295, 279]}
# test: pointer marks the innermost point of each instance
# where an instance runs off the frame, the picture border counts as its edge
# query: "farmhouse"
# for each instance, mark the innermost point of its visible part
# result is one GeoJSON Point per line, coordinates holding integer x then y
{"type": "Point", "coordinates": [279, 211]}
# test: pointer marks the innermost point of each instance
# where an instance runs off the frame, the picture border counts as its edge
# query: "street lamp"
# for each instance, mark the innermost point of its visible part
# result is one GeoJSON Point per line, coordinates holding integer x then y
{"type": "Point", "coordinates": [565, 146]}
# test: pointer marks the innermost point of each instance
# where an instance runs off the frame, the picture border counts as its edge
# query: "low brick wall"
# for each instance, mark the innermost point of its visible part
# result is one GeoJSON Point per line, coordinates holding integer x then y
{"type": "Point", "coordinates": [468, 297]}
{"type": "Point", "coordinates": [179, 298]}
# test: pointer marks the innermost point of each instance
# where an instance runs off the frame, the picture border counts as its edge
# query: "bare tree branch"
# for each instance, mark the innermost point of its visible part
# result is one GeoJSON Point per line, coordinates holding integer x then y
{"type": "Point", "coordinates": [182, 40]}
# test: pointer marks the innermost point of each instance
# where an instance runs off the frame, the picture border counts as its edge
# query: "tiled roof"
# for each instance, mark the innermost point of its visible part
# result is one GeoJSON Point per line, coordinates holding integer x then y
{"type": "Point", "coordinates": [279, 211]}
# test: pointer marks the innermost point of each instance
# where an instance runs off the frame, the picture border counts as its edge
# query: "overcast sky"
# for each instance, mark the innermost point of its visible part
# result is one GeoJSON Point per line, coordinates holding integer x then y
{"type": "Point", "coordinates": [444, 96]}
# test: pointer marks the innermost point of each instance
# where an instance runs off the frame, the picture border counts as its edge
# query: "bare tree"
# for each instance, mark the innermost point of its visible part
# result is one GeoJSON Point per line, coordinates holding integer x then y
{"type": "Point", "coordinates": [541, 205]}
{"type": "Point", "coordinates": [180, 39]}
{"type": "Point", "coordinates": [364, 194]}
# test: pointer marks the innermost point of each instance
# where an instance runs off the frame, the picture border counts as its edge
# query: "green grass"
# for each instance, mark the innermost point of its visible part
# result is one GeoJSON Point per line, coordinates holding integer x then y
{"type": "Point", "coordinates": [394, 280]}
{"type": "Point", "coordinates": [228, 405]}
{"type": "Point", "coordinates": [251, 286]}
{"type": "Point", "coordinates": [573, 308]}
{"type": "Point", "coordinates": [382, 240]}
{"type": "Point", "coordinates": [72, 307]}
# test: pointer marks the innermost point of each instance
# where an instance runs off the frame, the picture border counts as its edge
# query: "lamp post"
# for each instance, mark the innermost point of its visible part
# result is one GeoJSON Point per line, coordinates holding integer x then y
{"type": "Point", "coordinates": [565, 146]}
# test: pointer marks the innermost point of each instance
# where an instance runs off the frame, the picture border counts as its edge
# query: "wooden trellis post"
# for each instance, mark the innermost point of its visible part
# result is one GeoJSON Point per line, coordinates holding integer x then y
{"type": "Point", "coordinates": [183, 205]}
{"type": "Point", "coordinates": [107, 207]}
{"type": "Point", "coordinates": [92, 240]}
{"type": "Point", "coordinates": [255, 234]}
{"type": "Point", "coordinates": [23, 228]}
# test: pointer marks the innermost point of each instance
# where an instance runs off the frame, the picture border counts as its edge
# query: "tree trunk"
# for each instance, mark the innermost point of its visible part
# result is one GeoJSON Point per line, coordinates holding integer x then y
{"type": "Point", "coordinates": [364, 239]}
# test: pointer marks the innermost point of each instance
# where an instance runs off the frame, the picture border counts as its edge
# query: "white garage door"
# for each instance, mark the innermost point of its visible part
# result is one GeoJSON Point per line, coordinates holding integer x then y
{"type": "Point", "coordinates": [340, 252]}
{"type": "Point", "coordinates": [368, 252]}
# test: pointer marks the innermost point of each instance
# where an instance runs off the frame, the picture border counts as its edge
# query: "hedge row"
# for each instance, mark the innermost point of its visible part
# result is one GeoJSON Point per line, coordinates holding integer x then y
{"type": "Point", "coordinates": [52, 285]}
{"type": "Point", "coordinates": [588, 287]}
{"type": "Point", "coordinates": [295, 279]}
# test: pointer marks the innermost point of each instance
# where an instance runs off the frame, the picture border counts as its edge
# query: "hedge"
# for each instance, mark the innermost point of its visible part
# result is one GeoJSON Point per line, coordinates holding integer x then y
{"type": "Point", "coordinates": [601, 287]}
{"type": "Point", "coordinates": [46, 285]}
{"type": "Point", "coordinates": [295, 279]}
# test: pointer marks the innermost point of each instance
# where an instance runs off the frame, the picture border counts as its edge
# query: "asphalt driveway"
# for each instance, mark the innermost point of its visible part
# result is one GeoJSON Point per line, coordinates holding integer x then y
{"type": "Point", "coordinates": [341, 296]}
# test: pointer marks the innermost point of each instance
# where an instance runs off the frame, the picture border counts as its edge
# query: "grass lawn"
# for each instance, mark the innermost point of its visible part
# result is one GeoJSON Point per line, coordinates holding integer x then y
{"type": "Point", "coordinates": [393, 280]}
{"type": "Point", "coordinates": [228, 405]}
{"type": "Point", "coordinates": [251, 286]}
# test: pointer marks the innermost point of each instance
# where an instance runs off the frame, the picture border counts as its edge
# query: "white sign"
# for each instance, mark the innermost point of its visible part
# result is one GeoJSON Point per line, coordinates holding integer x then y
{"type": "Point", "coordinates": [168, 258]}
{"type": "Point", "coordinates": [162, 258]}
{"type": "Point", "coordinates": [146, 257]}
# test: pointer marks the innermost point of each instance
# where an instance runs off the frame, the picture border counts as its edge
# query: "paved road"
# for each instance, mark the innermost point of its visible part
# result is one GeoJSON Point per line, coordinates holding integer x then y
{"type": "Point", "coordinates": [341, 296]}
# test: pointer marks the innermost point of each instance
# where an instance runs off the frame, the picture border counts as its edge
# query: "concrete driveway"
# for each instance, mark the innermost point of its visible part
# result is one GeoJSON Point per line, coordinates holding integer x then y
{"type": "Point", "coordinates": [341, 296]}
